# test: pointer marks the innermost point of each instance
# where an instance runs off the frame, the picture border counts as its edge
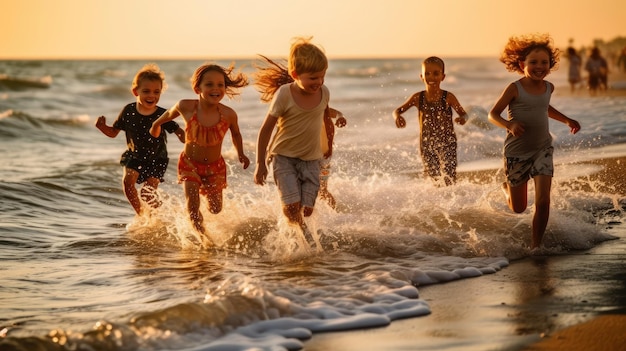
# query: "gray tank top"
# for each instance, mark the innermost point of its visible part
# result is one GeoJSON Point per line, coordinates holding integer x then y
{"type": "Point", "coordinates": [532, 112]}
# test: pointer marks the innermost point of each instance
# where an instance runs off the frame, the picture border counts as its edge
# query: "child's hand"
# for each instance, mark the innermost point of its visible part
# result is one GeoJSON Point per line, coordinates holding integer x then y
{"type": "Point", "coordinates": [245, 161]}
{"type": "Point", "coordinates": [460, 120]}
{"type": "Point", "coordinates": [101, 121]}
{"type": "Point", "coordinates": [574, 126]}
{"type": "Point", "coordinates": [180, 133]}
{"type": "Point", "coordinates": [516, 128]}
{"type": "Point", "coordinates": [341, 122]}
{"type": "Point", "coordinates": [400, 122]}
{"type": "Point", "coordinates": [260, 174]}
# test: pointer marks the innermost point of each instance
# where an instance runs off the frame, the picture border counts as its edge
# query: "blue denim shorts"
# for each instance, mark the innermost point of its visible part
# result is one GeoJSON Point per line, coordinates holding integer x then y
{"type": "Point", "coordinates": [297, 180]}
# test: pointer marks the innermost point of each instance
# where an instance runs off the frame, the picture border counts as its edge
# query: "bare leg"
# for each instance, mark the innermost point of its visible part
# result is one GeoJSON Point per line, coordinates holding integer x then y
{"type": "Point", "coordinates": [293, 213]}
{"type": "Point", "coordinates": [193, 205]}
{"type": "Point", "coordinates": [516, 197]}
{"type": "Point", "coordinates": [128, 182]}
{"type": "Point", "coordinates": [215, 200]}
{"type": "Point", "coordinates": [149, 194]}
{"type": "Point", "coordinates": [543, 185]}
{"type": "Point", "coordinates": [326, 195]}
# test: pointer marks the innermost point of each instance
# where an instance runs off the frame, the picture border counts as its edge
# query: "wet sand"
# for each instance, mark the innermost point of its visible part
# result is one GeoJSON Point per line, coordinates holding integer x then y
{"type": "Point", "coordinates": [570, 302]}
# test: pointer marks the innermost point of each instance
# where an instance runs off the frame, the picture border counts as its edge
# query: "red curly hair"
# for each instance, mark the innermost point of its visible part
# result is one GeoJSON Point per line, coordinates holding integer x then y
{"type": "Point", "coordinates": [519, 47]}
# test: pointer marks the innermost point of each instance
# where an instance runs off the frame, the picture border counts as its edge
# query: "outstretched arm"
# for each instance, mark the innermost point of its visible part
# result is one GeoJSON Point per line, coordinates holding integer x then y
{"type": "Point", "coordinates": [235, 134]}
{"type": "Point", "coordinates": [169, 115]}
{"type": "Point", "coordinates": [397, 113]}
{"type": "Point", "coordinates": [573, 125]}
{"type": "Point", "coordinates": [454, 103]}
{"type": "Point", "coordinates": [109, 131]}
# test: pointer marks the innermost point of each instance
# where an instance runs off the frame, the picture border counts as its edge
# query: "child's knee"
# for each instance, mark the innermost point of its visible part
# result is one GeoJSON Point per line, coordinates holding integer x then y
{"type": "Point", "coordinates": [292, 212]}
{"type": "Point", "coordinates": [215, 208]}
{"type": "Point", "coordinates": [308, 211]}
{"type": "Point", "coordinates": [215, 202]}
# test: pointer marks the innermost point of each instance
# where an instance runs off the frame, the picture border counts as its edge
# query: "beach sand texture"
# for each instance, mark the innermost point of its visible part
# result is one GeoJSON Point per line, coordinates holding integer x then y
{"type": "Point", "coordinates": [569, 302]}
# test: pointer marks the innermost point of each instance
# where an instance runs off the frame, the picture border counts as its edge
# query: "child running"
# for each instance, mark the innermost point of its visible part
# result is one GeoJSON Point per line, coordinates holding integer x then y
{"type": "Point", "coordinates": [275, 74]}
{"type": "Point", "coordinates": [297, 110]}
{"type": "Point", "coordinates": [528, 145]}
{"type": "Point", "coordinates": [437, 137]}
{"type": "Point", "coordinates": [146, 160]}
{"type": "Point", "coordinates": [201, 167]}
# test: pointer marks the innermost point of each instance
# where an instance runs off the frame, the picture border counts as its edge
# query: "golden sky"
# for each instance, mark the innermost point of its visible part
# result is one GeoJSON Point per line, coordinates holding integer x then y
{"type": "Point", "coordinates": [213, 29]}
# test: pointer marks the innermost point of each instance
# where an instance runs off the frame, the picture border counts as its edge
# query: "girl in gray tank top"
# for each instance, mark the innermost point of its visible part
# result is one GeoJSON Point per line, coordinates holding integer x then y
{"type": "Point", "coordinates": [528, 144]}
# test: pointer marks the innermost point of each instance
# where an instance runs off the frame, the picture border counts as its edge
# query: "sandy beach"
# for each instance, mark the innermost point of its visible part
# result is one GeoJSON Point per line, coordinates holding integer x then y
{"type": "Point", "coordinates": [570, 302]}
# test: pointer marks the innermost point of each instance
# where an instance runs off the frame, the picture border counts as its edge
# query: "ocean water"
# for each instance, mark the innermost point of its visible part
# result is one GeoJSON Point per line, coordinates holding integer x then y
{"type": "Point", "coordinates": [80, 272]}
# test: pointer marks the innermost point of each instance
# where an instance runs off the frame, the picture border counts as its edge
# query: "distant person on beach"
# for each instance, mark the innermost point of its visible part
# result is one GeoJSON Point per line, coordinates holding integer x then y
{"type": "Point", "coordinates": [297, 111]}
{"type": "Point", "coordinates": [437, 138]}
{"type": "Point", "coordinates": [201, 167]}
{"type": "Point", "coordinates": [146, 159]}
{"type": "Point", "coordinates": [575, 66]}
{"type": "Point", "coordinates": [274, 74]}
{"type": "Point", "coordinates": [621, 60]}
{"type": "Point", "coordinates": [598, 70]}
{"type": "Point", "coordinates": [528, 145]}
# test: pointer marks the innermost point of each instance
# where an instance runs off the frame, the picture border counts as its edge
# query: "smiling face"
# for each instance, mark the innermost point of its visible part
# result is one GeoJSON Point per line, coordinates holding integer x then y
{"type": "Point", "coordinates": [310, 83]}
{"type": "Point", "coordinates": [212, 86]}
{"type": "Point", "coordinates": [148, 93]}
{"type": "Point", "coordinates": [536, 66]}
{"type": "Point", "coordinates": [432, 74]}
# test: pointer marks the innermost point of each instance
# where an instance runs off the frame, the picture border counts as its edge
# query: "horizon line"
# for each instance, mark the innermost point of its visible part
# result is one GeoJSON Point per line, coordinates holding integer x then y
{"type": "Point", "coordinates": [217, 58]}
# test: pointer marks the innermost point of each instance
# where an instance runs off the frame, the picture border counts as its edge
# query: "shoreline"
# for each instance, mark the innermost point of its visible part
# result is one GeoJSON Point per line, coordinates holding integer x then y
{"type": "Point", "coordinates": [575, 301]}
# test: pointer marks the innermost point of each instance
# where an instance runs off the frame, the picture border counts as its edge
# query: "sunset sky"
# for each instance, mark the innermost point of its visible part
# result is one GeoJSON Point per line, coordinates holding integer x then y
{"type": "Point", "coordinates": [210, 29]}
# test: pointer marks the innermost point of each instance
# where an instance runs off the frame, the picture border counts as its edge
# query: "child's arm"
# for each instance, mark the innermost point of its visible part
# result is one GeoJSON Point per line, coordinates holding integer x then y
{"type": "Point", "coordinates": [180, 133]}
{"type": "Point", "coordinates": [330, 130]}
{"type": "Point", "coordinates": [265, 133]}
{"type": "Point", "coordinates": [397, 113]}
{"type": "Point", "coordinates": [109, 131]}
{"type": "Point", "coordinates": [235, 135]}
{"type": "Point", "coordinates": [454, 103]}
{"type": "Point", "coordinates": [573, 125]}
{"type": "Point", "coordinates": [514, 127]}
{"type": "Point", "coordinates": [341, 120]}
{"type": "Point", "coordinates": [169, 115]}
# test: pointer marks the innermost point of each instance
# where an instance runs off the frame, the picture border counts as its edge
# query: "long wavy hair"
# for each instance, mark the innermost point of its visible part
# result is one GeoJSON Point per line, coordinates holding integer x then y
{"type": "Point", "coordinates": [269, 77]}
{"type": "Point", "coordinates": [233, 81]}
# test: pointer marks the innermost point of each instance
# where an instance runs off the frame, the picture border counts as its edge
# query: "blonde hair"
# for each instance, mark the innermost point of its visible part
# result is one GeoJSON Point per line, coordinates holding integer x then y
{"type": "Point", "coordinates": [519, 47]}
{"type": "Point", "coordinates": [150, 72]}
{"type": "Point", "coordinates": [304, 57]}
{"type": "Point", "coordinates": [269, 77]}
{"type": "Point", "coordinates": [232, 81]}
